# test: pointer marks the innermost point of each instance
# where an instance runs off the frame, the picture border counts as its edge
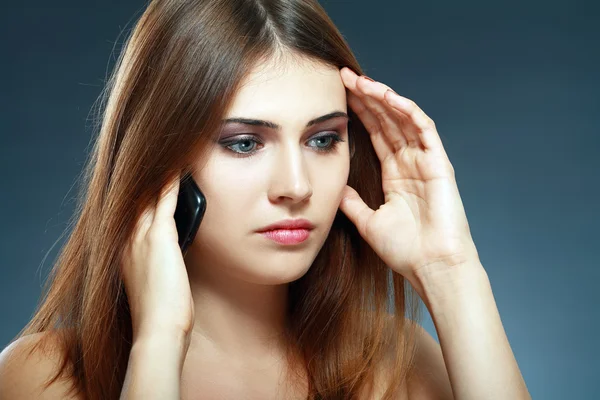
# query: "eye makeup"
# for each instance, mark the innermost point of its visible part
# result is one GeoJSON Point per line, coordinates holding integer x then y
{"type": "Point", "coordinates": [331, 139]}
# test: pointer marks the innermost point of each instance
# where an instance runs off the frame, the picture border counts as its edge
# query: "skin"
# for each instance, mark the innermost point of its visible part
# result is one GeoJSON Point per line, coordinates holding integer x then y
{"type": "Point", "coordinates": [239, 278]}
{"type": "Point", "coordinates": [240, 297]}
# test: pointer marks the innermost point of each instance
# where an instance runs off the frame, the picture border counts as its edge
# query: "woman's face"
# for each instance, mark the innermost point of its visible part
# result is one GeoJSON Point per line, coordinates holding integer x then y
{"type": "Point", "coordinates": [259, 175]}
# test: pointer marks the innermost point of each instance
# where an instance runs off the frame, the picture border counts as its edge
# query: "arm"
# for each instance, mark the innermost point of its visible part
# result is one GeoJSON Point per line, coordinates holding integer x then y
{"type": "Point", "coordinates": [476, 351]}
{"type": "Point", "coordinates": [155, 367]}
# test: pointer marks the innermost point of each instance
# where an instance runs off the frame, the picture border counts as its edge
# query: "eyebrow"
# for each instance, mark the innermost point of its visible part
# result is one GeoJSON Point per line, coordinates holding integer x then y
{"type": "Point", "coordinates": [272, 125]}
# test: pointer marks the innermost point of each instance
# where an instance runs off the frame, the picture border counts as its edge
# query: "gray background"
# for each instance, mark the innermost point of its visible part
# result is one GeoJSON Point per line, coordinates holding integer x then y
{"type": "Point", "coordinates": [512, 88]}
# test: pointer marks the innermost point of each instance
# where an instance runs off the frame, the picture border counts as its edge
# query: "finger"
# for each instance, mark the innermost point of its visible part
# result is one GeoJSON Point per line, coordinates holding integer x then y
{"type": "Point", "coordinates": [145, 221]}
{"type": "Point", "coordinates": [422, 125]}
{"type": "Point", "coordinates": [397, 127]}
{"type": "Point", "coordinates": [357, 211]}
{"type": "Point", "coordinates": [418, 125]}
{"type": "Point", "coordinates": [167, 201]}
{"type": "Point", "coordinates": [392, 122]}
{"type": "Point", "coordinates": [139, 231]}
{"type": "Point", "coordinates": [369, 120]}
{"type": "Point", "coordinates": [380, 143]}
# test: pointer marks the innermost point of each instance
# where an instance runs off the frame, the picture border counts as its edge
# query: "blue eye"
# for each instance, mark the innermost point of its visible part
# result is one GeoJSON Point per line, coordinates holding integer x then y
{"type": "Point", "coordinates": [245, 143]}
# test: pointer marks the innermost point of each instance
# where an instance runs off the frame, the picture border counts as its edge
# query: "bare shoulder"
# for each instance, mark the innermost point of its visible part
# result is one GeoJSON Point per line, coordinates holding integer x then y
{"type": "Point", "coordinates": [430, 379]}
{"type": "Point", "coordinates": [25, 368]}
{"type": "Point", "coordinates": [386, 370]}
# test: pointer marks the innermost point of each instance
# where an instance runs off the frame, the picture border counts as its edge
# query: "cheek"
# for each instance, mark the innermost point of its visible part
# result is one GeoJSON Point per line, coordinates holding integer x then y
{"type": "Point", "coordinates": [230, 195]}
{"type": "Point", "coordinates": [331, 184]}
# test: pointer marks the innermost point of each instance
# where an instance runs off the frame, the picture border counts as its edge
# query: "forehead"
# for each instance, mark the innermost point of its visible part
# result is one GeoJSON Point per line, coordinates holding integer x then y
{"type": "Point", "coordinates": [290, 93]}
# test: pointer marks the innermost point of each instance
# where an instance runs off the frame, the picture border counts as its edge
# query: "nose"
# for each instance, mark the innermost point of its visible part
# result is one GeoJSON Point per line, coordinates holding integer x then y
{"type": "Point", "coordinates": [290, 178]}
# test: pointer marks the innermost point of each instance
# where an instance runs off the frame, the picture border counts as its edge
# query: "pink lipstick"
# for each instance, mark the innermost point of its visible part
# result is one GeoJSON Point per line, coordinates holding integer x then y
{"type": "Point", "coordinates": [287, 236]}
{"type": "Point", "coordinates": [289, 231]}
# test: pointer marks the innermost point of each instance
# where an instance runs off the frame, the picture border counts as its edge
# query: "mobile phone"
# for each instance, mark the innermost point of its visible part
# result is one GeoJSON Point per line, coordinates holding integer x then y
{"type": "Point", "coordinates": [191, 205]}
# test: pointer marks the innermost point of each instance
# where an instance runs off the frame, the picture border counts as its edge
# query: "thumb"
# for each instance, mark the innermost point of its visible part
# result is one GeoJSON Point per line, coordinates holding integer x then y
{"type": "Point", "coordinates": [168, 199]}
{"type": "Point", "coordinates": [355, 209]}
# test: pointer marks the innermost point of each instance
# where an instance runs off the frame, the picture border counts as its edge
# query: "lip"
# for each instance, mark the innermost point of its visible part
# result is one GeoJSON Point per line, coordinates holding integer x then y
{"type": "Point", "coordinates": [300, 223]}
{"type": "Point", "coordinates": [287, 236]}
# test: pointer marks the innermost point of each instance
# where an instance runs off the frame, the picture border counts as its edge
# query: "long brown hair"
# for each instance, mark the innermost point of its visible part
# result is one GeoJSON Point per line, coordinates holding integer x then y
{"type": "Point", "coordinates": [158, 114]}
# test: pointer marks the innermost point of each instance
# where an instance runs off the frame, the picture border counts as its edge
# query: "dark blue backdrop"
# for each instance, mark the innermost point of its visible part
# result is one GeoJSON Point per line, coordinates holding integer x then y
{"type": "Point", "coordinates": [513, 89]}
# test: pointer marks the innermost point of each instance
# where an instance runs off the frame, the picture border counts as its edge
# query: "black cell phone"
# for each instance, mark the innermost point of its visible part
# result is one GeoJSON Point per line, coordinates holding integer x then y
{"type": "Point", "coordinates": [189, 211]}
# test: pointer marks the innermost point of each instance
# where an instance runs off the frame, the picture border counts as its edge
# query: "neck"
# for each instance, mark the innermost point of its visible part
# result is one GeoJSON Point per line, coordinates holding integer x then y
{"type": "Point", "coordinates": [237, 318]}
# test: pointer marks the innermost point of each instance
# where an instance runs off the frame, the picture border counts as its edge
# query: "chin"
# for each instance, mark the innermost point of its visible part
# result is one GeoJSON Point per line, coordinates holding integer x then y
{"type": "Point", "coordinates": [277, 276]}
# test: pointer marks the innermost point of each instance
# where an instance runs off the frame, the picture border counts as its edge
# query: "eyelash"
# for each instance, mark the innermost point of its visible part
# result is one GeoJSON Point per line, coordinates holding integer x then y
{"type": "Point", "coordinates": [336, 139]}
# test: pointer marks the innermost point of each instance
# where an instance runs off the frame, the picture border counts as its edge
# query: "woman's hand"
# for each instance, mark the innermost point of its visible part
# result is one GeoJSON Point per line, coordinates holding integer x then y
{"type": "Point", "coordinates": [423, 221]}
{"type": "Point", "coordinates": [154, 273]}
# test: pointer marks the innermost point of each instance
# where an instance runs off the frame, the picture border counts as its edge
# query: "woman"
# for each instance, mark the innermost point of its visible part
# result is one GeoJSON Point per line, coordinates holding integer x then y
{"type": "Point", "coordinates": [263, 103]}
